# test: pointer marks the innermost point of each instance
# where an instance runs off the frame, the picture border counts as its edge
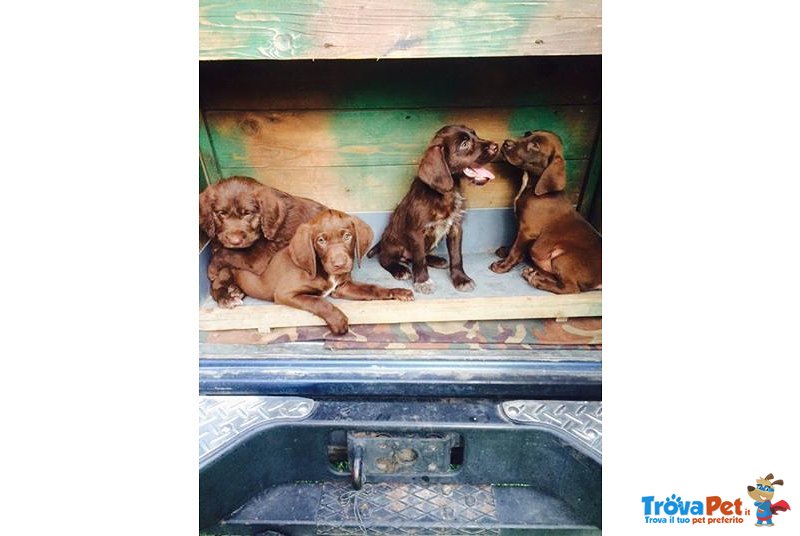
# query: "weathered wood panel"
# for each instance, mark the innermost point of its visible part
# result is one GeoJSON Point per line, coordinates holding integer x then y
{"type": "Point", "coordinates": [374, 29]}
{"type": "Point", "coordinates": [379, 188]}
{"type": "Point", "coordinates": [209, 167]}
{"type": "Point", "coordinates": [400, 84]}
{"type": "Point", "coordinates": [267, 316]}
{"type": "Point", "coordinates": [379, 137]}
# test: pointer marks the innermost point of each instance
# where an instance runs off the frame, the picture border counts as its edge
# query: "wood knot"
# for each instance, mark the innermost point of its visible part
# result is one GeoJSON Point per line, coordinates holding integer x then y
{"type": "Point", "coordinates": [250, 126]}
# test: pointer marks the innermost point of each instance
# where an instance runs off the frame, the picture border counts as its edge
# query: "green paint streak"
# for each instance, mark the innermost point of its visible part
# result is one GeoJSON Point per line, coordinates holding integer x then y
{"type": "Point", "coordinates": [477, 24]}
{"type": "Point", "coordinates": [378, 138]}
{"type": "Point", "coordinates": [256, 29]}
{"type": "Point", "coordinates": [593, 178]}
{"type": "Point", "coordinates": [209, 167]}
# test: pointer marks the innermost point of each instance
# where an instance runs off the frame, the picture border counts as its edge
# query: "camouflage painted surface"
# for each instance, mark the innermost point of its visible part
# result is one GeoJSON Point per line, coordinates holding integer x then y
{"type": "Point", "coordinates": [494, 335]}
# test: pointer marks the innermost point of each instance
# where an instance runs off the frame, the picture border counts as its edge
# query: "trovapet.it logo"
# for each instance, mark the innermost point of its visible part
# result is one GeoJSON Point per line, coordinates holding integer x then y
{"type": "Point", "coordinates": [711, 509]}
{"type": "Point", "coordinates": [714, 509]}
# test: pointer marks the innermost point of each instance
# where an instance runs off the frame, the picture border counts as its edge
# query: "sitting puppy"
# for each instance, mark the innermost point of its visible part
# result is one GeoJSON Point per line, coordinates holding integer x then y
{"type": "Point", "coordinates": [248, 223]}
{"type": "Point", "coordinates": [316, 264]}
{"type": "Point", "coordinates": [434, 207]}
{"type": "Point", "coordinates": [564, 248]}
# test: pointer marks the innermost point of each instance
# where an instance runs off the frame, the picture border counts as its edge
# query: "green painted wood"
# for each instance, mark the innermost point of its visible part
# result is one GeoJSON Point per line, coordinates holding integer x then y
{"type": "Point", "coordinates": [379, 137]}
{"type": "Point", "coordinates": [208, 160]}
{"type": "Point", "coordinates": [375, 29]}
{"type": "Point", "coordinates": [380, 188]}
{"type": "Point", "coordinates": [592, 182]}
{"type": "Point", "coordinates": [400, 84]}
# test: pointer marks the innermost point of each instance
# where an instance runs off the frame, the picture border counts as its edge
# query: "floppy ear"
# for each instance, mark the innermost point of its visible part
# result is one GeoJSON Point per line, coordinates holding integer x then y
{"type": "Point", "coordinates": [206, 213]}
{"type": "Point", "coordinates": [272, 212]}
{"type": "Point", "coordinates": [778, 482]}
{"type": "Point", "coordinates": [768, 477]}
{"type": "Point", "coordinates": [363, 235]}
{"type": "Point", "coordinates": [554, 177]}
{"type": "Point", "coordinates": [301, 250]}
{"type": "Point", "coordinates": [433, 170]}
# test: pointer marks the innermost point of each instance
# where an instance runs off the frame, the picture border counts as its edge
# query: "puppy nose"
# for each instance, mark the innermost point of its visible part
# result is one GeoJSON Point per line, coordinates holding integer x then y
{"type": "Point", "coordinates": [339, 262]}
{"type": "Point", "coordinates": [235, 239]}
{"type": "Point", "coordinates": [508, 144]}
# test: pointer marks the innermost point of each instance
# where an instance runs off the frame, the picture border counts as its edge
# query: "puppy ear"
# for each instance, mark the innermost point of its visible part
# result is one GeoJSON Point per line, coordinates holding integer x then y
{"type": "Point", "coordinates": [207, 213]}
{"type": "Point", "coordinates": [778, 482]}
{"type": "Point", "coordinates": [272, 211]}
{"type": "Point", "coordinates": [554, 177]}
{"type": "Point", "coordinates": [301, 250]}
{"type": "Point", "coordinates": [433, 170]}
{"type": "Point", "coordinates": [363, 237]}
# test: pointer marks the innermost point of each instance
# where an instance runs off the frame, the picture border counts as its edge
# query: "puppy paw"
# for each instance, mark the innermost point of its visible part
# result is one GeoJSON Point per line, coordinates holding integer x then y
{"type": "Point", "coordinates": [528, 274]}
{"type": "Point", "coordinates": [230, 297]}
{"type": "Point", "coordinates": [426, 287]}
{"type": "Point", "coordinates": [463, 283]}
{"type": "Point", "coordinates": [499, 267]}
{"type": "Point", "coordinates": [401, 274]}
{"type": "Point", "coordinates": [401, 294]}
{"type": "Point", "coordinates": [337, 323]}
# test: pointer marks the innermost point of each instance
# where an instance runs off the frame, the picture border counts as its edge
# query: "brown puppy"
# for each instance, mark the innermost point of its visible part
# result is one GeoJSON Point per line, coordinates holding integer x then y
{"type": "Point", "coordinates": [565, 249]}
{"type": "Point", "coordinates": [316, 264]}
{"type": "Point", "coordinates": [433, 208]}
{"type": "Point", "coordinates": [248, 223]}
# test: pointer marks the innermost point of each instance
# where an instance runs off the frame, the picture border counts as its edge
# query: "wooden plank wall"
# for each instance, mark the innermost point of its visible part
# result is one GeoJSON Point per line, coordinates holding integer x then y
{"type": "Point", "coordinates": [350, 133]}
{"type": "Point", "coordinates": [376, 29]}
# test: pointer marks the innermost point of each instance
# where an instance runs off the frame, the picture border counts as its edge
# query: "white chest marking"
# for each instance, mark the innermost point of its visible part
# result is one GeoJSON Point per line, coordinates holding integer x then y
{"type": "Point", "coordinates": [440, 228]}
{"type": "Point", "coordinates": [521, 188]}
{"type": "Point", "coordinates": [334, 283]}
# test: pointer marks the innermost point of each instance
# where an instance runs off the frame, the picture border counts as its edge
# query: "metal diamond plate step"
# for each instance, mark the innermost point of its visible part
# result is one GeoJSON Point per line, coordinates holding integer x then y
{"type": "Point", "coordinates": [407, 508]}
{"type": "Point", "coordinates": [224, 418]}
{"type": "Point", "coordinates": [581, 420]}
{"type": "Point", "coordinates": [334, 508]}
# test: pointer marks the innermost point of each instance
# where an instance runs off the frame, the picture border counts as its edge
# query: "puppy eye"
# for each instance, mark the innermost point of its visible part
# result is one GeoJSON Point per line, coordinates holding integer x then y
{"type": "Point", "coordinates": [347, 236]}
{"type": "Point", "coordinates": [321, 240]}
{"type": "Point", "coordinates": [464, 145]}
{"type": "Point", "coordinates": [533, 146]}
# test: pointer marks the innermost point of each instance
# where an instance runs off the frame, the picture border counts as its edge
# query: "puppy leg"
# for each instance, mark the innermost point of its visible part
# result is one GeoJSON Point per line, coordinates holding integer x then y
{"type": "Point", "coordinates": [223, 286]}
{"type": "Point", "coordinates": [363, 291]}
{"type": "Point", "coordinates": [389, 258]}
{"type": "Point", "coordinates": [434, 261]}
{"type": "Point", "coordinates": [333, 316]}
{"type": "Point", "coordinates": [460, 279]}
{"type": "Point", "coordinates": [419, 268]}
{"type": "Point", "coordinates": [556, 270]}
{"type": "Point", "coordinates": [512, 257]}
{"type": "Point", "coordinates": [550, 282]}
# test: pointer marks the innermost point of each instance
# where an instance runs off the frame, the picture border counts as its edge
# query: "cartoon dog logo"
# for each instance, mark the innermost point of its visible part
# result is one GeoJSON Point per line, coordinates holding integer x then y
{"type": "Point", "coordinates": [762, 493]}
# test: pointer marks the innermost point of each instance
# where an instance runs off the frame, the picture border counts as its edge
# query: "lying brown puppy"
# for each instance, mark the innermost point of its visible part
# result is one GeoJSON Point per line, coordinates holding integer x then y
{"type": "Point", "coordinates": [316, 264]}
{"type": "Point", "coordinates": [564, 248]}
{"type": "Point", "coordinates": [248, 223]}
{"type": "Point", "coordinates": [433, 208]}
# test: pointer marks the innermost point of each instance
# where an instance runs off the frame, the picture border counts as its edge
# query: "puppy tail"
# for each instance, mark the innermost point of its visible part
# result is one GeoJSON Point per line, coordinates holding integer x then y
{"type": "Point", "coordinates": [373, 250]}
